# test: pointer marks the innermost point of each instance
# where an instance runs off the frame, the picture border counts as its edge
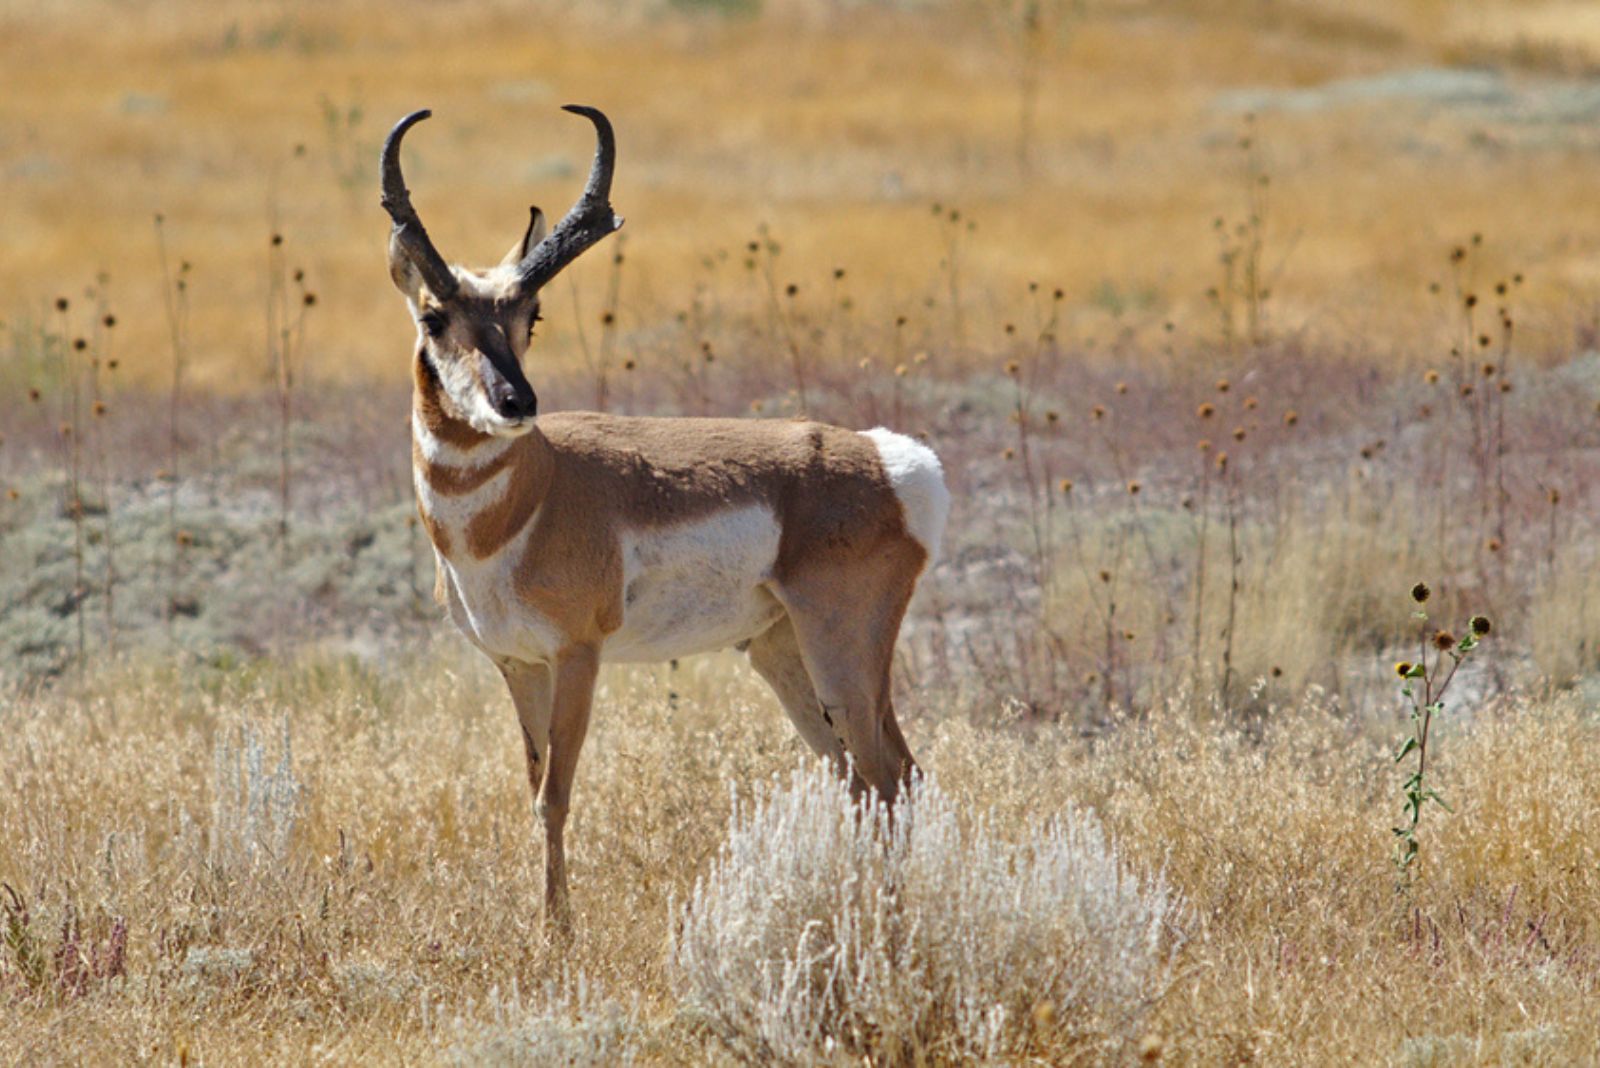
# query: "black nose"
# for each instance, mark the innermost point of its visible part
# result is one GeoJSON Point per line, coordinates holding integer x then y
{"type": "Point", "coordinates": [515, 404]}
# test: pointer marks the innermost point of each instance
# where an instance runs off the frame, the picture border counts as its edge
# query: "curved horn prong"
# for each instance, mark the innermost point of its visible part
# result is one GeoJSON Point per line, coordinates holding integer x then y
{"type": "Point", "coordinates": [409, 235]}
{"type": "Point", "coordinates": [590, 219]}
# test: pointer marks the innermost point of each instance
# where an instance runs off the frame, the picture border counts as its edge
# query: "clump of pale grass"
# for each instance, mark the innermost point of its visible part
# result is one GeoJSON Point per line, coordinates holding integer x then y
{"type": "Point", "coordinates": [827, 929]}
{"type": "Point", "coordinates": [253, 811]}
{"type": "Point", "coordinates": [573, 1026]}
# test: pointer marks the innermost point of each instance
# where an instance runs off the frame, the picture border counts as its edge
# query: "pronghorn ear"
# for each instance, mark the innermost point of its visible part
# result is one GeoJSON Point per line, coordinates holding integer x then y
{"type": "Point", "coordinates": [530, 240]}
{"type": "Point", "coordinates": [404, 274]}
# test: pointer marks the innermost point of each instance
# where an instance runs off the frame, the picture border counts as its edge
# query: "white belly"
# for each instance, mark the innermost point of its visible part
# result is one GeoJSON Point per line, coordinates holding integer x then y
{"type": "Point", "coordinates": [696, 586]}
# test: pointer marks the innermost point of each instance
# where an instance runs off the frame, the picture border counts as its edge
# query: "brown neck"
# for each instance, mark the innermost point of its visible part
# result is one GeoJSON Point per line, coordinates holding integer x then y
{"type": "Point", "coordinates": [488, 529]}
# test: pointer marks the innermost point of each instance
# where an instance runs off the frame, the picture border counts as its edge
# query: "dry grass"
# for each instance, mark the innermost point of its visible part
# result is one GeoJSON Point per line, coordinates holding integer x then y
{"type": "Point", "coordinates": [398, 918]}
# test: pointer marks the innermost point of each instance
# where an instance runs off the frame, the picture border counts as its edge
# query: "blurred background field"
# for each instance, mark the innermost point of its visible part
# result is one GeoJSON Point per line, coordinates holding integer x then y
{"type": "Point", "coordinates": [1389, 131]}
{"type": "Point", "coordinates": [1230, 322]}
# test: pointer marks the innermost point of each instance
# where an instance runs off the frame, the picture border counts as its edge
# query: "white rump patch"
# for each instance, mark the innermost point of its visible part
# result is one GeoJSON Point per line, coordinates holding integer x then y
{"type": "Point", "coordinates": [918, 480]}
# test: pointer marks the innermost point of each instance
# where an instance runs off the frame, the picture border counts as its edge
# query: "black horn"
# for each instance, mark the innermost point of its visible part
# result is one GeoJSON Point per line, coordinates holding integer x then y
{"type": "Point", "coordinates": [590, 219]}
{"type": "Point", "coordinates": [409, 236]}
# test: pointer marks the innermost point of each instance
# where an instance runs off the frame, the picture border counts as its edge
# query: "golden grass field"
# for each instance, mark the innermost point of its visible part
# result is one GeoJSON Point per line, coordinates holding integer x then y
{"type": "Point", "coordinates": [805, 120]}
{"type": "Point", "coordinates": [1190, 502]}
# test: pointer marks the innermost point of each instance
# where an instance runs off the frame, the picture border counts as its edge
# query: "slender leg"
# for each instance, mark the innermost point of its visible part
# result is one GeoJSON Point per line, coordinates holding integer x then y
{"type": "Point", "coordinates": [530, 686]}
{"type": "Point", "coordinates": [776, 657]}
{"type": "Point", "coordinates": [845, 633]}
{"type": "Point", "coordinates": [575, 670]}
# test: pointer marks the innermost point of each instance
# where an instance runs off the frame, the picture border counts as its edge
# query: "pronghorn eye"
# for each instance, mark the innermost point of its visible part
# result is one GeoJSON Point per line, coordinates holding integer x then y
{"type": "Point", "coordinates": [433, 322]}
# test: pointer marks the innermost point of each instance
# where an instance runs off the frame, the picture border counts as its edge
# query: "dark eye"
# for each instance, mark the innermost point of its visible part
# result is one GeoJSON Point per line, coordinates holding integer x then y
{"type": "Point", "coordinates": [433, 322]}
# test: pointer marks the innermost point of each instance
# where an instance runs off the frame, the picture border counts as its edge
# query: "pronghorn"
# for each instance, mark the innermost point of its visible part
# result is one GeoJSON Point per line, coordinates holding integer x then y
{"type": "Point", "coordinates": [565, 540]}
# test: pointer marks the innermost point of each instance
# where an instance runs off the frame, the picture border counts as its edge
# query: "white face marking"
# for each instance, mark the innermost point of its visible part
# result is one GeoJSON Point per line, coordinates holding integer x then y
{"type": "Point", "coordinates": [696, 586]}
{"type": "Point", "coordinates": [461, 386]}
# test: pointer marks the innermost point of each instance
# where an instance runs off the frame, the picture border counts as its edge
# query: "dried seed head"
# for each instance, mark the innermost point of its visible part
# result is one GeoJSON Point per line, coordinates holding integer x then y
{"type": "Point", "coordinates": [1430, 376]}
{"type": "Point", "coordinates": [1554, 495]}
{"type": "Point", "coordinates": [1505, 385]}
{"type": "Point", "coordinates": [79, 344]}
{"type": "Point", "coordinates": [309, 299]}
{"type": "Point", "coordinates": [1466, 389]}
{"type": "Point", "coordinates": [1238, 433]}
{"type": "Point", "coordinates": [1493, 545]}
{"type": "Point", "coordinates": [1052, 417]}
{"type": "Point", "coordinates": [35, 395]}
{"type": "Point", "coordinates": [1223, 385]}
{"type": "Point", "coordinates": [1013, 368]}
{"type": "Point", "coordinates": [1128, 635]}
{"type": "Point", "coordinates": [791, 290]}
{"type": "Point", "coordinates": [1098, 411]}
{"type": "Point", "coordinates": [1443, 639]}
{"type": "Point", "coordinates": [1471, 300]}
{"type": "Point", "coordinates": [1480, 625]}
{"type": "Point", "coordinates": [1134, 487]}
{"type": "Point", "coordinates": [1105, 576]}
{"type": "Point", "coordinates": [608, 318]}
{"type": "Point", "coordinates": [100, 408]}
{"type": "Point", "coordinates": [629, 364]}
{"type": "Point", "coordinates": [1291, 417]}
{"type": "Point", "coordinates": [1206, 410]}
{"type": "Point", "coordinates": [62, 304]}
{"type": "Point", "coordinates": [1420, 593]}
{"type": "Point", "coordinates": [109, 321]}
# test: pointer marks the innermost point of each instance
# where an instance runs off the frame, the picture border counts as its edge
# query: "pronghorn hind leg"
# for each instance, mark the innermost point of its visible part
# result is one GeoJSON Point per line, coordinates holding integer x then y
{"type": "Point", "coordinates": [846, 633]}
{"type": "Point", "coordinates": [573, 694]}
{"type": "Point", "coordinates": [775, 655]}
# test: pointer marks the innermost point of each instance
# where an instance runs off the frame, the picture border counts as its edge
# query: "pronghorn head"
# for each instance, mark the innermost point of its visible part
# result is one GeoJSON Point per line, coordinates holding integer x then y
{"type": "Point", "coordinates": [474, 326]}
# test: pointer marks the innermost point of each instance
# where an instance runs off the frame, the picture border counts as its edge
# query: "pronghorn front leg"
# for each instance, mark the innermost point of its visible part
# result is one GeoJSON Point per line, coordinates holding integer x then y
{"type": "Point", "coordinates": [530, 686]}
{"type": "Point", "coordinates": [575, 670]}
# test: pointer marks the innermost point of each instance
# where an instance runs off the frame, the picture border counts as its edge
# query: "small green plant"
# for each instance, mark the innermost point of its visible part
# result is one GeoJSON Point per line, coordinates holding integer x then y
{"type": "Point", "coordinates": [1449, 653]}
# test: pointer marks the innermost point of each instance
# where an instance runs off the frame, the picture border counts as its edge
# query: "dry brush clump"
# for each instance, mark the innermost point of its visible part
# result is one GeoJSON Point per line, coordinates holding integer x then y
{"type": "Point", "coordinates": [827, 930]}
